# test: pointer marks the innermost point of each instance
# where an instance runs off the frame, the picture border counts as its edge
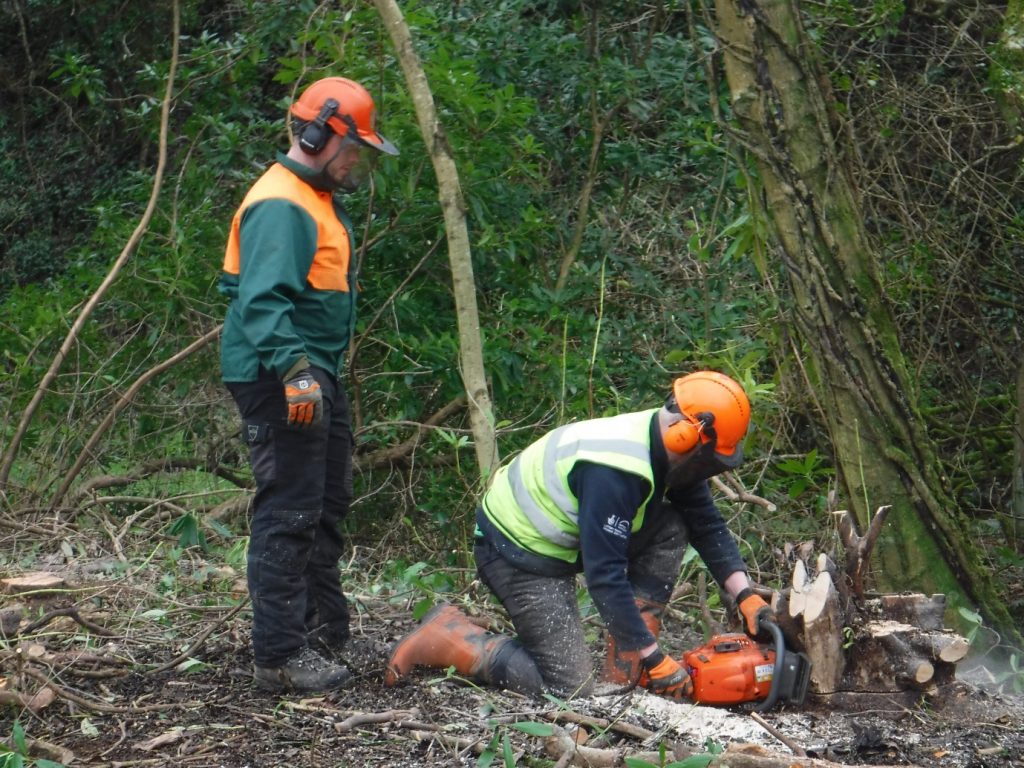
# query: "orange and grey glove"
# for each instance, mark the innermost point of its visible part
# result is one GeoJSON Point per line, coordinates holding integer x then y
{"type": "Point", "coordinates": [305, 400]}
{"type": "Point", "coordinates": [664, 676]}
{"type": "Point", "coordinates": [754, 610]}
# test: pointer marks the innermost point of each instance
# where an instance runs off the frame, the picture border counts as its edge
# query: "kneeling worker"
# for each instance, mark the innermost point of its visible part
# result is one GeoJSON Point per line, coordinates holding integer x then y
{"type": "Point", "coordinates": [619, 499]}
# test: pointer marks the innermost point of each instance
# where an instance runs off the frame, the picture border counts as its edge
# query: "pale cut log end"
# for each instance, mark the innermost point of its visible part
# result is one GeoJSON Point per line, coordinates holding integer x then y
{"type": "Point", "coordinates": [31, 582]}
{"type": "Point", "coordinates": [820, 598]}
{"type": "Point", "coordinates": [917, 674]}
{"type": "Point", "coordinates": [954, 651]}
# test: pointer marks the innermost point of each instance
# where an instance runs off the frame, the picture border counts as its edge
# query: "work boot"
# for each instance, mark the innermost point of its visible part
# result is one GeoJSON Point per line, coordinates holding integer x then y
{"type": "Point", "coordinates": [623, 667]}
{"type": "Point", "coordinates": [445, 638]}
{"type": "Point", "coordinates": [305, 671]}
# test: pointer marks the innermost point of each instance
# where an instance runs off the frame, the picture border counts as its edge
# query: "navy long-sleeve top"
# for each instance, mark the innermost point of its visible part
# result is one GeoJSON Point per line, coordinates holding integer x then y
{"type": "Point", "coordinates": [604, 492]}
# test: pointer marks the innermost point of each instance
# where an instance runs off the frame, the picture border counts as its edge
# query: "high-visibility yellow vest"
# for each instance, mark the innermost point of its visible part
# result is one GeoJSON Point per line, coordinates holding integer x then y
{"type": "Point", "coordinates": [530, 501]}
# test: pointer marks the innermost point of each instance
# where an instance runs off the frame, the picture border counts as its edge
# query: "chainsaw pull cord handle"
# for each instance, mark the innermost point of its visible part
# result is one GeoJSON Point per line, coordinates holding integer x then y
{"type": "Point", "coordinates": [780, 653]}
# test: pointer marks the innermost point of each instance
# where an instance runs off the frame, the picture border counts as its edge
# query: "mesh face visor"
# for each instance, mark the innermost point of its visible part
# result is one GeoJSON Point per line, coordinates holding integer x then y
{"type": "Point", "coordinates": [704, 461]}
{"type": "Point", "coordinates": [700, 464]}
{"type": "Point", "coordinates": [377, 142]}
{"type": "Point", "coordinates": [362, 170]}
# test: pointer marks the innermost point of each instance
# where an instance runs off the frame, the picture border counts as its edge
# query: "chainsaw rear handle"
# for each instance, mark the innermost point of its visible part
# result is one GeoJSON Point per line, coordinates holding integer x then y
{"type": "Point", "coordinates": [780, 656]}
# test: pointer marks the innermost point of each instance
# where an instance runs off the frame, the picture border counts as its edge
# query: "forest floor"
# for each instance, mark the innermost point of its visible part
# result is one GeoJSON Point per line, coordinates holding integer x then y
{"type": "Point", "coordinates": [120, 666]}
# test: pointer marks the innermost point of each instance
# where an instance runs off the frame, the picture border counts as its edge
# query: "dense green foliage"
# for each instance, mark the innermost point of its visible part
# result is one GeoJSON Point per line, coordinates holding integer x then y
{"type": "Point", "coordinates": [540, 99]}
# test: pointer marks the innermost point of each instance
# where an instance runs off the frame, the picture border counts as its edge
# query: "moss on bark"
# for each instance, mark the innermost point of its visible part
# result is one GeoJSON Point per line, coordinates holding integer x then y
{"type": "Point", "coordinates": [782, 104]}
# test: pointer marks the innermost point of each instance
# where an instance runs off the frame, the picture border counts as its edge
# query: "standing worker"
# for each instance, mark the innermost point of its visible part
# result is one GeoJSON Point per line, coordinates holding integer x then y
{"type": "Point", "coordinates": [619, 499]}
{"type": "Point", "coordinates": [289, 272]}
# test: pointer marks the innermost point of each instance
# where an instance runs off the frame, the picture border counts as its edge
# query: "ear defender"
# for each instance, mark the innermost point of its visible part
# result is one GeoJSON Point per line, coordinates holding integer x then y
{"type": "Point", "coordinates": [682, 436]}
{"type": "Point", "coordinates": [315, 134]}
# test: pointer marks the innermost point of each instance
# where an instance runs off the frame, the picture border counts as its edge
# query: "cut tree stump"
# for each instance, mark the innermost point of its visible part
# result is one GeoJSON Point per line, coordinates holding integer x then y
{"type": "Point", "coordinates": [865, 643]}
{"type": "Point", "coordinates": [891, 655]}
{"type": "Point", "coordinates": [810, 610]}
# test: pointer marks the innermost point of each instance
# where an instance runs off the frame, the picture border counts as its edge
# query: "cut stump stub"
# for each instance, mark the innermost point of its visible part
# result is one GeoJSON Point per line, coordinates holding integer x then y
{"type": "Point", "coordinates": [876, 644]}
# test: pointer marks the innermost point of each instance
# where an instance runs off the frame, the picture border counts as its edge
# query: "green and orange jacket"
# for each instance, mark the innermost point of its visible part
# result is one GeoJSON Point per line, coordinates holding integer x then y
{"type": "Point", "coordinates": [289, 273]}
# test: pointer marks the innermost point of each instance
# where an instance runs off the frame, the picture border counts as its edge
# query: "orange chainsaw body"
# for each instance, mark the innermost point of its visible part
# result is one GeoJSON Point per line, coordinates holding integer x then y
{"type": "Point", "coordinates": [730, 669]}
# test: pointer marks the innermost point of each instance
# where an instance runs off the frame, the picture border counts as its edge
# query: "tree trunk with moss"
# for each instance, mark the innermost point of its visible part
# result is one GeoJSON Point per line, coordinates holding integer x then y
{"type": "Point", "coordinates": [781, 104]}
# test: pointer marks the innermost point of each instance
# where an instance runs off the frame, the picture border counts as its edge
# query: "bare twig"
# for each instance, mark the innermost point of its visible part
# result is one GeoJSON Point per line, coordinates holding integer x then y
{"type": "Point", "coordinates": [364, 718]}
{"type": "Point", "coordinates": [403, 449]}
{"type": "Point", "coordinates": [199, 640]}
{"type": "Point", "coordinates": [795, 748]}
{"type": "Point", "coordinates": [100, 706]}
{"type": "Point", "coordinates": [120, 405]}
{"type": "Point", "coordinates": [734, 491]}
{"type": "Point", "coordinates": [72, 611]}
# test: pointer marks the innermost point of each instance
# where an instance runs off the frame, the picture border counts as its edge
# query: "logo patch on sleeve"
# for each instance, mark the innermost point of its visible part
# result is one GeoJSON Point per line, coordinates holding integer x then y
{"type": "Point", "coordinates": [617, 526]}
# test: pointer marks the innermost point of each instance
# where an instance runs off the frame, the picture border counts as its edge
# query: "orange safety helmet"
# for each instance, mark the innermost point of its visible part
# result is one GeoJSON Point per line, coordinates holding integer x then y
{"type": "Point", "coordinates": [345, 107]}
{"type": "Point", "coordinates": [709, 392]}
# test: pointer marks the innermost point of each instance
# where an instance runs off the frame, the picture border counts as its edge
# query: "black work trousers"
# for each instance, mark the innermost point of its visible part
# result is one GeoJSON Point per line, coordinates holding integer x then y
{"type": "Point", "coordinates": [303, 492]}
{"type": "Point", "coordinates": [544, 609]}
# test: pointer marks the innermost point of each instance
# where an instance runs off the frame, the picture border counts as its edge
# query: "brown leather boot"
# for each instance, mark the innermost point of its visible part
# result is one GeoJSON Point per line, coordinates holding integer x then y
{"type": "Point", "coordinates": [623, 667]}
{"type": "Point", "coordinates": [445, 638]}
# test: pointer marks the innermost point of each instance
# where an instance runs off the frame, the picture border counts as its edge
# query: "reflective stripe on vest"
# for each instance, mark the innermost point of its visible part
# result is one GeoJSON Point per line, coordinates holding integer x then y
{"type": "Point", "coordinates": [330, 267]}
{"type": "Point", "coordinates": [530, 500]}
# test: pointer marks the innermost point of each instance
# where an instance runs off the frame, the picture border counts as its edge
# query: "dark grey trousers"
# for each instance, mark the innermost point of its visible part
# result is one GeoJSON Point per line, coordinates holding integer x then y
{"type": "Point", "coordinates": [303, 491]}
{"type": "Point", "coordinates": [545, 612]}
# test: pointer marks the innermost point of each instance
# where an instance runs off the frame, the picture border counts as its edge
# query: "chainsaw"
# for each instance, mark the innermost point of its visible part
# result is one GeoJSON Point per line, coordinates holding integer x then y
{"type": "Point", "coordinates": [731, 669]}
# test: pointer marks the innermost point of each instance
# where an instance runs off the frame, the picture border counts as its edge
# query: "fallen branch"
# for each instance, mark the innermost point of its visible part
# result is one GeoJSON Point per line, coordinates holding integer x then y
{"type": "Point", "coordinates": [152, 468]}
{"type": "Point", "coordinates": [72, 612]}
{"type": "Point", "coordinates": [563, 747]}
{"type": "Point", "coordinates": [99, 706]}
{"type": "Point", "coordinates": [754, 756]}
{"type": "Point", "coordinates": [187, 653]}
{"type": "Point", "coordinates": [476, 746]}
{"type": "Point", "coordinates": [19, 527]}
{"type": "Point", "coordinates": [38, 748]}
{"type": "Point", "coordinates": [795, 748]}
{"type": "Point", "coordinates": [601, 724]}
{"type": "Point", "coordinates": [84, 664]}
{"type": "Point", "coordinates": [366, 718]}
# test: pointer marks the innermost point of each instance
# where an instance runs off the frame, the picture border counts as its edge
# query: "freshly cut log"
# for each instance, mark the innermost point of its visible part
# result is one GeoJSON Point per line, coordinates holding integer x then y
{"type": "Point", "coordinates": [32, 582]}
{"type": "Point", "coordinates": [924, 611]}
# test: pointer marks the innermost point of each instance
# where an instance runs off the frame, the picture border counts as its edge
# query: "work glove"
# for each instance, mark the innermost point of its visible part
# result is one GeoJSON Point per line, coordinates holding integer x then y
{"type": "Point", "coordinates": [754, 610]}
{"type": "Point", "coordinates": [664, 676]}
{"type": "Point", "coordinates": [305, 400]}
